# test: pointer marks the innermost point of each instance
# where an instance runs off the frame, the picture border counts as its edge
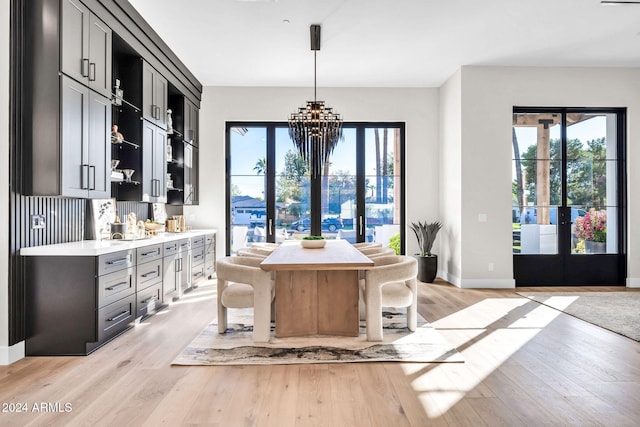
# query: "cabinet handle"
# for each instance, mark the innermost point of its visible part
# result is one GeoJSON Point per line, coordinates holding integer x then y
{"type": "Point", "coordinates": [150, 273]}
{"type": "Point", "coordinates": [198, 274]}
{"type": "Point", "coordinates": [117, 261]}
{"type": "Point", "coordinates": [149, 253]}
{"type": "Point", "coordinates": [148, 300]}
{"type": "Point", "coordinates": [177, 266]}
{"type": "Point", "coordinates": [92, 72]}
{"type": "Point", "coordinates": [119, 316]}
{"type": "Point", "coordinates": [119, 285]}
{"type": "Point", "coordinates": [197, 257]}
{"type": "Point", "coordinates": [93, 187]}
{"type": "Point", "coordinates": [85, 67]}
{"type": "Point", "coordinates": [85, 177]}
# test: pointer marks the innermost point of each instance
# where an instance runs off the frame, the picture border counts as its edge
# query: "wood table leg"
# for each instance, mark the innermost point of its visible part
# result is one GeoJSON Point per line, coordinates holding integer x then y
{"type": "Point", "coordinates": [296, 303]}
{"type": "Point", "coordinates": [338, 296]}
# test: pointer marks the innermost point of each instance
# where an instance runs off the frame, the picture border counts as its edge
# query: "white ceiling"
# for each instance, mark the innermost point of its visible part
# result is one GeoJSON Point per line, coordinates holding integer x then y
{"type": "Point", "coordinates": [387, 43]}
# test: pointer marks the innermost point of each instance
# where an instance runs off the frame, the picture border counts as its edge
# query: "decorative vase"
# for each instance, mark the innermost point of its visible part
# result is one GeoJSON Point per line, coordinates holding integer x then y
{"type": "Point", "coordinates": [427, 268]}
{"type": "Point", "coordinates": [592, 247]}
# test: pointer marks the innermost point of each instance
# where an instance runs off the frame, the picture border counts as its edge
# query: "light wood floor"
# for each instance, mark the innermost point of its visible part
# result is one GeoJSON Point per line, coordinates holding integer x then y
{"type": "Point", "coordinates": [525, 365]}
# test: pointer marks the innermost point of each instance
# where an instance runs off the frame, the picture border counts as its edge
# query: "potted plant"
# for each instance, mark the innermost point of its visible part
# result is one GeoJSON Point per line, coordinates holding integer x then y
{"type": "Point", "coordinates": [427, 262]}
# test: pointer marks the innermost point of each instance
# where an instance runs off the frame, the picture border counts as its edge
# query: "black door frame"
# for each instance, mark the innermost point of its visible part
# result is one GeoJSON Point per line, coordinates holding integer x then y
{"type": "Point", "coordinates": [594, 269]}
{"type": "Point", "coordinates": [316, 183]}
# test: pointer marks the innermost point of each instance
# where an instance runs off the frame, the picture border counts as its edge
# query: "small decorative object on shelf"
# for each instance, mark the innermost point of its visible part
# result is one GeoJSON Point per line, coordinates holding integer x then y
{"type": "Point", "coordinates": [116, 137]}
{"type": "Point", "coordinates": [128, 173]}
{"type": "Point", "coordinates": [169, 122]}
{"type": "Point", "coordinates": [313, 242]}
{"type": "Point", "coordinates": [169, 151]}
{"type": "Point", "coordinates": [169, 181]}
{"type": "Point", "coordinates": [118, 94]}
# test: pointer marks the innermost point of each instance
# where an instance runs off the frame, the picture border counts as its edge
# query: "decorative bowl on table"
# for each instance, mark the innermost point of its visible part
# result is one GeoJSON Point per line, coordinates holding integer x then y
{"type": "Point", "coordinates": [313, 242]}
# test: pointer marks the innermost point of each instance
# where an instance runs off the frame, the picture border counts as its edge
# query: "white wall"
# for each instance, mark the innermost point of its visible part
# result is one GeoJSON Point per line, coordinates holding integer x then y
{"type": "Point", "coordinates": [450, 254]}
{"type": "Point", "coordinates": [488, 96]}
{"type": "Point", "coordinates": [417, 107]}
{"type": "Point", "coordinates": [4, 182]}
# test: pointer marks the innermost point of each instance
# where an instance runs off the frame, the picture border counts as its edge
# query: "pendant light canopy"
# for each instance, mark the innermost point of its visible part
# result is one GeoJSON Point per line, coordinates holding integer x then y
{"type": "Point", "coordinates": [315, 129]}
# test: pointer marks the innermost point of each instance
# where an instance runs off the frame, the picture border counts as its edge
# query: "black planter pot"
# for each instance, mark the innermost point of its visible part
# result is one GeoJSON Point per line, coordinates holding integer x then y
{"type": "Point", "coordinates": [427, 268]}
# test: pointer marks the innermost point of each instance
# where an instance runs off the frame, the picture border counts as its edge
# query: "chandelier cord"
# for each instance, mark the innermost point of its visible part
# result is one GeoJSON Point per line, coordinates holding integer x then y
{"type": "Point", "coordinates": [315, 72]}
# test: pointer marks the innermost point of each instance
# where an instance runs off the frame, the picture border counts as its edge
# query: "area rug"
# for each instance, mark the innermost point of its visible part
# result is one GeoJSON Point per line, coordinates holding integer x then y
{"type": "Point", "coordinates": [618, 312]}
{"type": "Point", "coordinates": [236, 346]}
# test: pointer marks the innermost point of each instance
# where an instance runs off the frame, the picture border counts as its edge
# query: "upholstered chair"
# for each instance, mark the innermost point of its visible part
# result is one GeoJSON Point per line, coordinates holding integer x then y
{"type": "Point", "coordinates": [381, 252]}
{"type": "Point", "coordinates": [243, 284]}
{"type": "Point", "coordinates": [390, 283]}
{"type": "Point", "coordinates": [372, 250]}
{"type": "Point", "coordinates": [253, 252]}
{"type": "Point", "coordinates": [365, 245]}
{"type": "Point", "coordinates": [265, 246]}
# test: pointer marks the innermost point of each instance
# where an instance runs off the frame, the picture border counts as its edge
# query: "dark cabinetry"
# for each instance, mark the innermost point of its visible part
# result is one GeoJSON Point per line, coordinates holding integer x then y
{"type": "Point", "coordinates": [85, 47]}
{"type": "Point", "coordinates": [86, 152]}
{"type": "Point", "coordinates": [154, 141]}
{"type": "Point", "coordinates": [78, 303]}
{"type": "Point", "coordinates": [154, 96]}
{"type": "Point", "coordinates": [191, 117]}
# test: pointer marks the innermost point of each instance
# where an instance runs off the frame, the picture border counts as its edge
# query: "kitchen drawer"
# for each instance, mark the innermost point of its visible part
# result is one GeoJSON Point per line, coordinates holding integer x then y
{"type": "Point", "coordinates": [184, 244]}
{"type": "Point", "coordinates": [209, 239]}
{"type": "Point", "coordinates": [115, 317]}
{"type": "Point", "coordinates": [197, 241]}
{"type": "Point", "coordinates": [197, 256]}
{"type": "Point", "coordinates": [149, 274]}
{"type": "Point", "coordinates": [197, 274]}
{"type": "Point", "coordinates": [149, 253]}
{"type": "Point", "coordinates": [171, 248]}
{"type": "Point", "coordinates": [149, 300]}
{"type": "Point", "coordinates": [116, 285]}
{"type": "Point", "coordinates": [116, 261]}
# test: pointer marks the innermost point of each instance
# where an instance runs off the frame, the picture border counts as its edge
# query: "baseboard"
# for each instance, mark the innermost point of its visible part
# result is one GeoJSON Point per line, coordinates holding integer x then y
{"type": "Point", "coordinates": [633, 282]}
{"type": "Point", "coordinates": [11, 354]}
{"type": "Point", "coordinates": [488, 284]}
{"type": "Point", "coordinates": [455, 281]}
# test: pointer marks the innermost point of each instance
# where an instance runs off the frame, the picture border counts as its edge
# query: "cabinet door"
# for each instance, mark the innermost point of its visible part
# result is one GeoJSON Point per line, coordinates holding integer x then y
{"type": "Point", "coordinates": [74, 155]}
{"type": "Point", "coordinates": [154, 166]}
{"type": "Point", "coordinates": [160, 100]}
{"type": "Point", "coordinates": [160, 166]}
{"type": "Point", "coordinates": [146, 177]}
{"type": "Point", "coordinates": [74, 39]}
{"type": "Point", "coordinates": [99, 143]}
{"type": "Point", "coordinates": [190, 123]}
{"type": "Point", "coordinates": [170, 283]}
{"type": "Point", "coordinates": [100, 56]}
{"type": "Point", "coordinates": [149, 110]}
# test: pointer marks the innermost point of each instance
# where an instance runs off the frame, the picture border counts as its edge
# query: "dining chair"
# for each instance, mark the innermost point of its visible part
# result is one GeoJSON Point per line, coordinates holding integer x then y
{"type": "Point", "coordinates": [366, 245]}
{"type": "Point", "coordinates": [381, 252]}
{"type": "Point", "coordinates": [243, 284]}
{"type": "Point", "coordinates": [390, 283]}
{"type": "Point", "coordinates": [254, 252]}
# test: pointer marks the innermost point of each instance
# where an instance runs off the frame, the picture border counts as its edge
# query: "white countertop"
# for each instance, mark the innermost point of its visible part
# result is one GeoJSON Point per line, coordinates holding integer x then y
{"type": "Point", "coordinates": [100, 247]}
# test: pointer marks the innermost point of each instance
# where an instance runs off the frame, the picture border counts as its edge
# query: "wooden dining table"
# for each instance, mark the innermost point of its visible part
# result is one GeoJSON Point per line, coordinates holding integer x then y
{"type": "Point", "coordinates": [316, 290]}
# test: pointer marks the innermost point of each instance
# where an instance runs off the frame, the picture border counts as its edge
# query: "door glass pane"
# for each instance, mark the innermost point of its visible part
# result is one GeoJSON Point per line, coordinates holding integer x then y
{"type": "Point", "coordinates": [382, 180]}
{"type": "Point", "coordinates": [292, 189]}
{"type": "Point", "coordinates": [339, 190]}
{"type": "Point", "coordinates": [537, 182]}
{"type": "Point", "coordinates": [248, 167]}
{"type": "Point", "coordinates": [592, 182]}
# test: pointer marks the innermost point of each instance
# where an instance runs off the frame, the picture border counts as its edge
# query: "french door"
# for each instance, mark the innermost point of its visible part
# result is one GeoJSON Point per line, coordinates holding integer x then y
{"type": "Point", "coordinates": [569, 196]}
{"type": "Point", "coordinates": [270, 193]}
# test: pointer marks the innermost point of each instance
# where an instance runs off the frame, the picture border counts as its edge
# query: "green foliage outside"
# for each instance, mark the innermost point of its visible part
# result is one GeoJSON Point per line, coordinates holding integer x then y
{"type": "Point", "coordinates": [394, 243]}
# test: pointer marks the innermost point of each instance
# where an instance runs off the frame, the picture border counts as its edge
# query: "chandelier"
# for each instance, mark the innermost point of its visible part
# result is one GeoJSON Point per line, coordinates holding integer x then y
{"type": "Point", "coordinates": [315, 129]}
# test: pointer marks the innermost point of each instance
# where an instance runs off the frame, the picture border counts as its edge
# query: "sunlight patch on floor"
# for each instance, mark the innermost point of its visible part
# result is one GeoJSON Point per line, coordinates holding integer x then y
{"type": "Point", "coordinates": [491, 335]}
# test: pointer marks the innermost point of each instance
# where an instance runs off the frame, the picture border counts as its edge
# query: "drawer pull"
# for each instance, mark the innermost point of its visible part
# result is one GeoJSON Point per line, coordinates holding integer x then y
{"type": "Point", "coordinates": [150, 273]}
{"type": "Point", "coordinates": [148, 300]}
{"type": "Point", "coordinates": [119, 285]}
{"type": "Point", "coordinates": [117, 261]}
{"type": "Point", "coordinates": [198, 274]}
{"type": "Point", "coordinates": [119, 316]}
{"type": "Point", "coordinates": [197, 256]}
{"type": "Point", "coordinates": [150, 253]}
{"type": "Point", "coordinates": [170, 248]}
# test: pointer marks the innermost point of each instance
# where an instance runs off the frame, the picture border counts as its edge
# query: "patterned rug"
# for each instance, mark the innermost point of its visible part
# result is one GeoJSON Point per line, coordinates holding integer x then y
{"type": "Point", "coordinates": [235, 347]}
{"type": "Point", "coordinates": [618, 312]}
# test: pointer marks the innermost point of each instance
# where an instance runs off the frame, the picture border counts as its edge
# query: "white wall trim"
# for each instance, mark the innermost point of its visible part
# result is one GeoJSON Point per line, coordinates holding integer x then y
{"type": "Point", "coordinates": [633, 282]}
{"type": "Point", "coordinates": [455, 281]}
{"type": "Point", "coordinates": [11, 354]}
{"type": "Point", "coordinates": [488, 284]}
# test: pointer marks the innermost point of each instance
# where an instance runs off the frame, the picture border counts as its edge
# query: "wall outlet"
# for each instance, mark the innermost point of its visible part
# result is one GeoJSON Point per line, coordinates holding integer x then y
{"type": "Point", "coordinates": [38, 222]}
{"type": "Point", "coordinates": [491, 266]}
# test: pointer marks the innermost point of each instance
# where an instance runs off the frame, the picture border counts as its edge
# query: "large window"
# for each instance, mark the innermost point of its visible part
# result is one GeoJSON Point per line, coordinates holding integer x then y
{"type": "Point", "coordinates": [269, 186]}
